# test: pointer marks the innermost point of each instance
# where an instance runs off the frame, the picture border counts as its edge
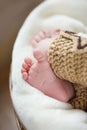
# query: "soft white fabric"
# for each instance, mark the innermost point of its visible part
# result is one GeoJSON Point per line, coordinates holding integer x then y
{"type": "Point", "coordinates": [36, 110]}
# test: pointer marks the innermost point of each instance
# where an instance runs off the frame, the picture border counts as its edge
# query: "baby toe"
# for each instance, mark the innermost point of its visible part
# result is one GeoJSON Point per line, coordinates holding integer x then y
{"type": "Point", "coordinates": [56, 32]}
{"type": "Point", "coordinates": [34, 43]}
{"type": "Point", "coordinates": [28, 61]}
{"type": "Point", "coordinates": [37, 38]}
{"type": "Point", "coordinates": [23, 70]}
{"type": "Point", "coordinates": [24, 65]}
{"type": "Point", "coordinates": [25, 76]}
{"type": "Point", "coordinates": [46, 33]}
{"type": "Point", "coordinates": [42, 35]}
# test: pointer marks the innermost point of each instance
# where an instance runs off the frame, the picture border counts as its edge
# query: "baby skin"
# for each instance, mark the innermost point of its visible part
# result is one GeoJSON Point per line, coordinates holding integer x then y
{"type": "Point", "coordinates": [39, 74]}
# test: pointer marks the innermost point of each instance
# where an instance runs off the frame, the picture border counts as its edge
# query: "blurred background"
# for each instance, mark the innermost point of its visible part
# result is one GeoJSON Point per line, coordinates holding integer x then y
{"type": "Point", "coordinates": [12, 16]}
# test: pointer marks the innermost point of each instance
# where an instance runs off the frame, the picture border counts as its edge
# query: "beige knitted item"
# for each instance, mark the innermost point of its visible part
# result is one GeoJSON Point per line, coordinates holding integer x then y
{"type": "Point", "coordinates": [80, 100]}
{"type": "Point", "coordinates": [68, 59]}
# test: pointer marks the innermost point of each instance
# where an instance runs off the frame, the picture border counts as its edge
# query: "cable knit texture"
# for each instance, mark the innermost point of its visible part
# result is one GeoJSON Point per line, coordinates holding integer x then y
{"type": "Point", "coordinates": [68, 59]}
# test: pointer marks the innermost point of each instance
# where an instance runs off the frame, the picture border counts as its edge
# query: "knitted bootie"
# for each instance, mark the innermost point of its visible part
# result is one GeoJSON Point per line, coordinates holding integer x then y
{"type": "Point", "coordinates": [68, 59]}
{"type": "Point", "coordinates": [80, 99]}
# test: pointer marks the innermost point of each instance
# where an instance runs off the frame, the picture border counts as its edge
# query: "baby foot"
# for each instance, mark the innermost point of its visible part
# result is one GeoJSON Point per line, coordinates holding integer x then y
{"type": "Point", "coordinates": [40, 36]}
{"type": "Point", "coordinates": [40, 76]}
{"type": "Point", "coordinates": [43, 35]}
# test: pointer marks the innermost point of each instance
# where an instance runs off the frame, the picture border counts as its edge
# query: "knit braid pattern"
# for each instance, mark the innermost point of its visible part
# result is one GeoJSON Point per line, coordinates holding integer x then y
{"type": "Point", "coordinates": [68, 59]}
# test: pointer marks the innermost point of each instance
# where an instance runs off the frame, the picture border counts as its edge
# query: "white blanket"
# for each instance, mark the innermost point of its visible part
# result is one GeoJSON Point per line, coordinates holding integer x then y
{"type": "Point", "coordinates": [36, 110]}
